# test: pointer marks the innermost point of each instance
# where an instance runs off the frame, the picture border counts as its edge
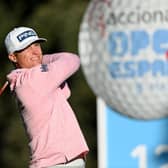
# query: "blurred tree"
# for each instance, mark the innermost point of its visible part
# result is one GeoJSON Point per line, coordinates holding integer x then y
{"type": "Point", "coordinates": [58, 21]}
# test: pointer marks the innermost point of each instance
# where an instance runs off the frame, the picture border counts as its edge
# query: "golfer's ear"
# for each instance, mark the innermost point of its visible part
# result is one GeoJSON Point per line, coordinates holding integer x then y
{"type": "Point", "coordinates": [12, 58]}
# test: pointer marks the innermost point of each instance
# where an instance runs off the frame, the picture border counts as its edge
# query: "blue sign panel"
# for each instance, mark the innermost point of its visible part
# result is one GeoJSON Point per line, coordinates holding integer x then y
{"type": "Point", "coordinates": [132, 143]}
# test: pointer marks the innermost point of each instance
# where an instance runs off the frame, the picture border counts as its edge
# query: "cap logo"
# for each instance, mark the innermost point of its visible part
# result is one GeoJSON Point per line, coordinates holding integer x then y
{"type": "Point", "coordinates": [25, 35]}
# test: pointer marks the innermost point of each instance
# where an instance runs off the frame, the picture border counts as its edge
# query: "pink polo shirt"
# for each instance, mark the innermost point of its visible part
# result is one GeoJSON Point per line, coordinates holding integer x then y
{"type": "Point", "coordinates": [42, 93]}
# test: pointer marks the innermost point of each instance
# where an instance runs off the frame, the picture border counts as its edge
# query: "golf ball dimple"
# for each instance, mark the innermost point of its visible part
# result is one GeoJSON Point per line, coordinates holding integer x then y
{"type": "Point", "coordinates": [123, 48]}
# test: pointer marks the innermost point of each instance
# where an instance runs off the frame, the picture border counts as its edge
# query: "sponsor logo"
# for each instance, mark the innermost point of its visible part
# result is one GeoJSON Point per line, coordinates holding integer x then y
{"type": "Point", "coordinates": [25, 35]}
{"type": "Point", "coordinates": [44, 68]}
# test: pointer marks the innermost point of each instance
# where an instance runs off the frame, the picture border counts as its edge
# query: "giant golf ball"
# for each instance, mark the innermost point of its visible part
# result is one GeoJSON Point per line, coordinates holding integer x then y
{"type": "Point", "coordinates": [123, 47]}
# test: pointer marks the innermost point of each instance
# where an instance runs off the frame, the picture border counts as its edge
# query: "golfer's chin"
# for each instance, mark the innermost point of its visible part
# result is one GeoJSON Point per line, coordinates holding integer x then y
{"type": "Point", "coordinates": [35, 63]}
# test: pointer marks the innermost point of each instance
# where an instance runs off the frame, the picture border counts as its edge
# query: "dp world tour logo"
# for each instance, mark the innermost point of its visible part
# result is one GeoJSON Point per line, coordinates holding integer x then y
{"type": "Point", "coordinates": [123, 47]}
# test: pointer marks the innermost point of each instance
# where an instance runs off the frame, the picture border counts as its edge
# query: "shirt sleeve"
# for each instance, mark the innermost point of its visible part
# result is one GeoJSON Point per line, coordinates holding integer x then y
{"type": "Point", "coordinates": [49, 58]}
{"type": "Point", "coordinates": [58, 68]}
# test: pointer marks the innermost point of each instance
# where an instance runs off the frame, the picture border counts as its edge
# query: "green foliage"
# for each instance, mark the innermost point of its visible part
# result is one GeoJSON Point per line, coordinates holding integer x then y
{"type": "Point", "coordinates": [59, 22]}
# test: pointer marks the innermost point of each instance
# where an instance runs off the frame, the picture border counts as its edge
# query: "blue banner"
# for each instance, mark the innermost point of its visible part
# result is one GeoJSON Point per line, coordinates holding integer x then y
{"type": "Point", "coordinates": [135, 143]}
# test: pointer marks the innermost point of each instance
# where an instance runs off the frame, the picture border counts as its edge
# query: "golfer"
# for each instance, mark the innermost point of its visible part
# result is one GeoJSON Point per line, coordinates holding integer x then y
{"type": "Point", "coordinates": [39, 84]}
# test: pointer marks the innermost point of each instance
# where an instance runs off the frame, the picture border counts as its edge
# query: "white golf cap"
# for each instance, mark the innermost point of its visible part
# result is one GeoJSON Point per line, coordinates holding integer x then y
{"type": "Point", "coordinates": [20, 38]}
